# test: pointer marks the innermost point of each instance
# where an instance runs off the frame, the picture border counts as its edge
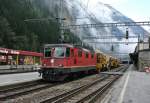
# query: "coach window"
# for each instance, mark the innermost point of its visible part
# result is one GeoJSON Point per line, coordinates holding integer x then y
{"type": "Point", "coordinates": [67, 52]}
{"type": "Point", "coordinates": [86, 54]}
{"type": "Point", "coordinates": [79, 53]}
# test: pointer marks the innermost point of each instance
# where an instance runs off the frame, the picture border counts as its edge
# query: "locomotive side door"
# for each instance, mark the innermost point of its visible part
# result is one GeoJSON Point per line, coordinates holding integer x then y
{"type": "Point", "coordinates": [73, 57]}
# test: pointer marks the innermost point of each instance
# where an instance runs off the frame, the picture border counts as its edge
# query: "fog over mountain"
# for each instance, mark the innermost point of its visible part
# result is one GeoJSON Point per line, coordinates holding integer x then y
{"type": "Point", "coordinates": [96, 12]}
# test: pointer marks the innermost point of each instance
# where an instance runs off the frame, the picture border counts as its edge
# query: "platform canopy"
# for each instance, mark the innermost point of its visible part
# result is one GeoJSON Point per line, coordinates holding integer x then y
{"type": "Point", "coordinates": [6, 51]}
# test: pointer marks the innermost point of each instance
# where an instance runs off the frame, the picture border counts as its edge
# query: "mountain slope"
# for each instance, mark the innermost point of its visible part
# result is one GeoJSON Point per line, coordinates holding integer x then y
{"type": "Point", "coordinates": [98, 12]}
{"type": "Point", "coordinates": [19, 31]}
{"type": "Point", "coordinates": [32, 35]}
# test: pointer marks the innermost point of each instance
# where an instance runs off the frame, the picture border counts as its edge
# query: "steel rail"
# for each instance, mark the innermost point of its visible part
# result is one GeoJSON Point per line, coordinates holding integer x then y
{"type": "Point", "coordinates": [12, 87]}
{"type": "Point", "coordinates": [92, 97]}
{"type": "Point", "coordinates": [65, 96]}
{"type": "Point", "coordinates": [24, 91]}
{"type": "Point", "coordinates": [119, 24]}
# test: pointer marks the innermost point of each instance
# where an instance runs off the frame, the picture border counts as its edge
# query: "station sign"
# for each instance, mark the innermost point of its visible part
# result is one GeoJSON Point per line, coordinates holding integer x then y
{"type": "Point", "coordinates": [4, 51]}
{"type": "Point", "coordinates": [9, 51]}
{"type": "Point", "coordinates": [2, 58]}
{"type": "Point", "coordinates": [14, 52]}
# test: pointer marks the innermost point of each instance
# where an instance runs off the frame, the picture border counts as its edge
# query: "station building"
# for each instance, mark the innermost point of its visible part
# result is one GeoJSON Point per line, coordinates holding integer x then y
{"type": "Point", "coordinates": [19, 57]}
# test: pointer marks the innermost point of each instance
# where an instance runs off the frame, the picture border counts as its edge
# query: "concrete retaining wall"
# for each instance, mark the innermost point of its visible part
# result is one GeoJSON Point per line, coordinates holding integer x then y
{"type": "Point", "coordinates": [143, 59]}
{"type": "Point", "coordinates": [25, 67]}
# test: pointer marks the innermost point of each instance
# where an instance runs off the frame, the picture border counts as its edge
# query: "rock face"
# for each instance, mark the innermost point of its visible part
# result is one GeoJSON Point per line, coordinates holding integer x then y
{"type": "Point", "coordinates": [96, 12]}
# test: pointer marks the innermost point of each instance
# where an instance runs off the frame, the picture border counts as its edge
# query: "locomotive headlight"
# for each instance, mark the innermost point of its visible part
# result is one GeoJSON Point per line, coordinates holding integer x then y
{"type": "Point", "coordinates": [52, 61]}
{"type": "Point", "coordinates": [61, 65]}
{"type": "Point", "coordinates": [44, 64]}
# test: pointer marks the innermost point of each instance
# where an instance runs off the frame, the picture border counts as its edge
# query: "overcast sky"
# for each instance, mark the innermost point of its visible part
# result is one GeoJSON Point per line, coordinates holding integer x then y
{"type": "Point", "coordinates": [138, 10]}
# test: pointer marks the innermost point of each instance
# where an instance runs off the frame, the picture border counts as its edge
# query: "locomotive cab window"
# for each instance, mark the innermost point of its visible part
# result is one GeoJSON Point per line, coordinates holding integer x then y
{"type": "Point", "coordinates": [47, 52]}
{"type": "Point", "coordinates": [72, 53]}
{"type": "Point", "coordinates": [92, 55]}
{"type": "Point", "coordinates": [86, 54]}
{"type": "Point", "coordinates": [67, 52]}
{"type": "Point", "coordinates": [79, 53]}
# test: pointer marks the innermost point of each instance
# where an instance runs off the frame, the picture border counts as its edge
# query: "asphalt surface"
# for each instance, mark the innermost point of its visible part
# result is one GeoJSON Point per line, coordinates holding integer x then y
{"type": "Point", "coordinates": [18, 78]}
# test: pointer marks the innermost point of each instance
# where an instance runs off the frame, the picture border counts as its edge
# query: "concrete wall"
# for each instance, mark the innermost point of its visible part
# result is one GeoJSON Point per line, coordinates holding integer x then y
{"type": "Point", "coordinates": [24, 67]}
{"type": "Point", "coordinates": [143, 46]}
{"type": "Point", "coordinates": [143, 59]}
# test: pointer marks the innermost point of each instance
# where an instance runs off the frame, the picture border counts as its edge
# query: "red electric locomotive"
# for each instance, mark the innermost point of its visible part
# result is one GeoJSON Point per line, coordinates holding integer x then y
{"type": "Point", "coordinates": [63, 60]}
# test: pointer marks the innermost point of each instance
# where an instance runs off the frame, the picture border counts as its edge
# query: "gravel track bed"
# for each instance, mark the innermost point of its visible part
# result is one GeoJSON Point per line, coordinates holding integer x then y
{"type": "Point", "coordinates": [39, 96]}
{"type": "Point", "coordinates": [53, 91]}
{"type": "Point", "coordinates": [87, 92]}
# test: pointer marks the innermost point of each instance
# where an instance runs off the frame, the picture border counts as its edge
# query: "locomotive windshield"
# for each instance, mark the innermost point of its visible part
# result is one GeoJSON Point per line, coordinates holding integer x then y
{"type": "Point", "coordinates": [59, 52]}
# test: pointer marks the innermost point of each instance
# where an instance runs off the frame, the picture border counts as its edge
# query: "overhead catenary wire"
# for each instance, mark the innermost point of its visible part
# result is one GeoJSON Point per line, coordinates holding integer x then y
{"type": "Point", "coordinates": [90, 14]}
{"type": "Point", "coordinates": [87, 5]}
{"type": "Point", "coordinates": [75, 18]}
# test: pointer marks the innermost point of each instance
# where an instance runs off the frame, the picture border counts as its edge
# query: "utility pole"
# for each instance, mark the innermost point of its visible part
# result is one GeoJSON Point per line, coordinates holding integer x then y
{"type": "Point", "coordinates": [61, 21]}
{"type": "Point", "coordinates": [138, 42]}
{"type": "Point", "coordinates": [149, 42]}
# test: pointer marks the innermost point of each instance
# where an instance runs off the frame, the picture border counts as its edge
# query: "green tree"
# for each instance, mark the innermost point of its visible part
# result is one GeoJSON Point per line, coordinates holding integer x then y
{"type": "Point", "coordinates": [7, 36]}
{"type": "Point", "coordinates": [17, 33]}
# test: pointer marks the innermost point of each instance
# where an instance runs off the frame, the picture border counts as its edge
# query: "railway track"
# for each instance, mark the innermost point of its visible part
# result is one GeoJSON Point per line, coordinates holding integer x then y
{"type": "Point", "coordinates": [6, 88]}
{"type": "Point", "coordinates": [13, 91]}
{"type": "Point", "coordinates": [85, 92]}
{"type": "Point", "coordinates": [120, 69]}
{"type": "Point", "coordinates": [88, 93]}
{"type": "Point", "coordinates": [95, 95]}
{"type": "Point", "coordinates": [71, 96]}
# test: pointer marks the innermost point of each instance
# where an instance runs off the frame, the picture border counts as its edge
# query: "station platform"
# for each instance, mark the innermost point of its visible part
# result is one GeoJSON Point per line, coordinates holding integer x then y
{"type": "Point", "coordinates": [112, 73]}
{"type": "Point", "coordinates": [24, 67]}
{"type": "Point", "coordinates": [18, 78]}
{"type": "Point", "coordinates": [10, 69]}
{"type": "Point", "coordinates": [132, 87]}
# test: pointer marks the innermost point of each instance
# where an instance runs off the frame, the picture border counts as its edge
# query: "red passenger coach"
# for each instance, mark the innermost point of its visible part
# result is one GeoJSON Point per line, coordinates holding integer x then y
{"type": "Point", "coordinates": [63, 60]}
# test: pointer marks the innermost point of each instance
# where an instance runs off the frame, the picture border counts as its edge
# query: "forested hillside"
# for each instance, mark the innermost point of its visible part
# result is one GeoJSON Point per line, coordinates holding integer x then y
{"type": "Point", "coordinates": [17, 33]}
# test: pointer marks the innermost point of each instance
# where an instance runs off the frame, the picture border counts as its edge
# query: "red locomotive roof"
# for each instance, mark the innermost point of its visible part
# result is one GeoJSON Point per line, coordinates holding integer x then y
{"type": "Point", "coordinates": [58, 45]}
{"type": "Point", "coordinates": [67, 45]}
{"type": "Point", "coordinates": [19, 52]}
